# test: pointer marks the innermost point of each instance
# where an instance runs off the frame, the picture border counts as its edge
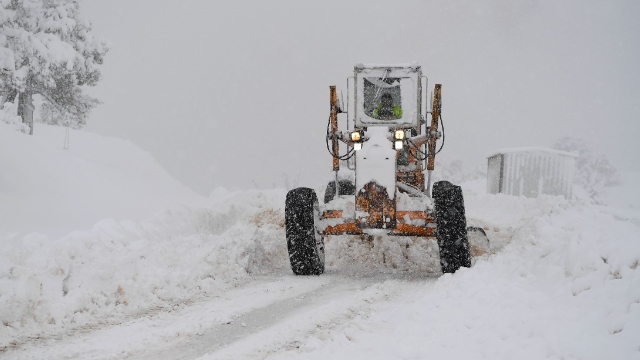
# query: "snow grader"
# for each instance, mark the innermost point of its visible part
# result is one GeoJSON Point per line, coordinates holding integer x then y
{"type": "Point", "coordinates": [389, 146]}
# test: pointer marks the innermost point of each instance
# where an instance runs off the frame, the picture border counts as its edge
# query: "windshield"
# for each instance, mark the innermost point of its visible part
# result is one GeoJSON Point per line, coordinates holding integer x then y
{"type": "Point", "coordinates": [387, 97]}
{"type": "Point", "coordinates": [383, 97]}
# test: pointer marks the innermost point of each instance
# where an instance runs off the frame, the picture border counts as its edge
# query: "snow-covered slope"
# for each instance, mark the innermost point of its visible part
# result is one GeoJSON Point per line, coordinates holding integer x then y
{"type": "Point", "coordinates": [44, 188]}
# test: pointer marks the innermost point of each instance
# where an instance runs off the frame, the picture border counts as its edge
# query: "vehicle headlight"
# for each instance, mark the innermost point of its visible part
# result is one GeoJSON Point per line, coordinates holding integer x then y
{"type": "Point", "coordinates": [399, 134]}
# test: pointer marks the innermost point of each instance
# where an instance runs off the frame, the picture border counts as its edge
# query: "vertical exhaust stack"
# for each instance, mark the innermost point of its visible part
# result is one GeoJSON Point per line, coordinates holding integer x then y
{"type": "Point", "coordinates": [333, 101]}
{"type": "Point", "coordinates": [335, 147]}
{"type": "Point", "coordinates": [433, 132]}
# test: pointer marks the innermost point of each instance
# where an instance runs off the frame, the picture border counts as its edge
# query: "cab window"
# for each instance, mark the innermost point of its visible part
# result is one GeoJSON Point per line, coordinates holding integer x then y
{"type": "Point", "coordinates": [383, 98]}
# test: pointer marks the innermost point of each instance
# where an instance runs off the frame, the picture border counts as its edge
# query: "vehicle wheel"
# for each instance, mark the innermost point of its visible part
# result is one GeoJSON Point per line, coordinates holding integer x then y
{"type": "Point", "coordinates": [346, 188]}
{"type": "Point", "coordinates": [451, 223]}
{"type": "Point", "coordinates": [305, 244]}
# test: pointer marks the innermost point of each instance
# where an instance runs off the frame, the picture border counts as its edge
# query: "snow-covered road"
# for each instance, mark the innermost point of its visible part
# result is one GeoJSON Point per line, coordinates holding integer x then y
{"type": "Point", "coordinates": [566, 285]}
{"type": "Point", "coordinates": [258, 318]}
{"type": "Point", "coordinates": [562, 281]}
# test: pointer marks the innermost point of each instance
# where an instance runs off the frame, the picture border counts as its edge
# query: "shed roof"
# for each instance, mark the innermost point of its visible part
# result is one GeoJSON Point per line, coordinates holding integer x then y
{"type": "Point", "coordinates": [530, 149]}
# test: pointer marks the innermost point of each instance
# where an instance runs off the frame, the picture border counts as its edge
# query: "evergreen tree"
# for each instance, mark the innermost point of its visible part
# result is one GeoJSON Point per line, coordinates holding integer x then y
{"type": "Point", "coordinates": [46, 48]}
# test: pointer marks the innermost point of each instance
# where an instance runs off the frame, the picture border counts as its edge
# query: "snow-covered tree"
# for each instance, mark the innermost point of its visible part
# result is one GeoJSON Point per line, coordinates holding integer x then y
{"type": "Point", "coordinates": [52, 115]}
{"type": "Point", "coordinates": [46, 48]}
{"type": "Point", "coordinates": [594, 172]}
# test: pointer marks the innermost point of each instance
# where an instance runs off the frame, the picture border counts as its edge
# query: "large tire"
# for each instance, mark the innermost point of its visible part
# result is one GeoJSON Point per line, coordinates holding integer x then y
{"type": "Point", "coordinates": [451, 223]}
{"type": "Point", "coordinates": [305, 244]}
{"type": "Point", "coordinates": [346, 188]}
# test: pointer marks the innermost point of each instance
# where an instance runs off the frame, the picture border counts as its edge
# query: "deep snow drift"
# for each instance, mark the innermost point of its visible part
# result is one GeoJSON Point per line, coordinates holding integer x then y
{"type": "Point", "coordinates": [562, 281]}
{"type": "Point", "coordinates": [148, 257]}
{"type": "Point", "coordinates": [44, 188]}
{"type": "Point", "coordinates": [566, 287]}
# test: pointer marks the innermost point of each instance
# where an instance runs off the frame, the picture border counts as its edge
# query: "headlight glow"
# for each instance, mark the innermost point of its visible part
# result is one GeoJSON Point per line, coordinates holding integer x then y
{"type": "Point", "coordinates": [399, 134]}
{"type": "Point", "coordinates": [355, 136]}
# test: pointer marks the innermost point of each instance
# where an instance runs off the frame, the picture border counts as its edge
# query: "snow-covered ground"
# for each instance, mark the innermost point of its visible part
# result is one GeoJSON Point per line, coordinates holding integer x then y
{"type": "Point", "coordinates": [210, 279]}
{"type": "Point", "coordinates": [47, 189]}
{"type": "Point", "coordinates": [623, 201]}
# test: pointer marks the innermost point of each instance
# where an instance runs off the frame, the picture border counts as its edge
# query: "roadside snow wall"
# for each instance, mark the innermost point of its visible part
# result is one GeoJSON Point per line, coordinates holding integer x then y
{"type": "Point", "coordinates": [566, 287]}
{"type": "Point", "coordinates": [122, 268]}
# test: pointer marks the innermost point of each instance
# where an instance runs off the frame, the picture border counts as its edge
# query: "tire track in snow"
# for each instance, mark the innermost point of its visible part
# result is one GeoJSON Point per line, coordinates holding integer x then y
{"type": "Point", "coordinates": [284, 325]}
{"type": "Point", "coordinates": [171, 326]}
{"type": "Point", "coordinates": [260, 318]}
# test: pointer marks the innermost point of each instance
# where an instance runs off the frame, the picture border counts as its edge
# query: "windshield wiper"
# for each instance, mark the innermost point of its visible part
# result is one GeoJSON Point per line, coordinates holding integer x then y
{"type": "Point", "coordinates": [379, 85]}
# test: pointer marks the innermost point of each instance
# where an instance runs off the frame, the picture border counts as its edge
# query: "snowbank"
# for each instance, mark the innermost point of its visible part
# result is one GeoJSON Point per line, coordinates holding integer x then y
{"type": "Point", "coordinates": [566, 287]}
{"type": "Point", "coordinates": [623, 201]}
{"type": "Point", "coordinates": [137, 256]}
{"type": "Point", "coordinates": [124, 268]}
{"type": "Point", "coordinates": [46, 189]}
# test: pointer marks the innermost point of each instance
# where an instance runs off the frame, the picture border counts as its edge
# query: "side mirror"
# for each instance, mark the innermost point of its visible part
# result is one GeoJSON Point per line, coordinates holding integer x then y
{"type": "Point", "coordinates": [340, 104]}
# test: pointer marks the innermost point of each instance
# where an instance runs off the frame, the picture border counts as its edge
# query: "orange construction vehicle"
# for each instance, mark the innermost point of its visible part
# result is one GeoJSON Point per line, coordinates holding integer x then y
{"type": "Point", "coordinates": [390, 145]}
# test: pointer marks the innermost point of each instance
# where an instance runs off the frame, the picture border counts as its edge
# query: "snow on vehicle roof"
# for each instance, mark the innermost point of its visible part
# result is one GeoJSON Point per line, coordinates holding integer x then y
{"type": "Point", "coordinates": [413, 64]}
{"type": "Point", "coordinates": [530, 149]}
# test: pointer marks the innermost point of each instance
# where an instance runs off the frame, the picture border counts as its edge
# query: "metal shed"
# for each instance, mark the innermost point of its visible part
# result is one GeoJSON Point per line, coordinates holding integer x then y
{"type": "Point", "coordinates": [530, 172]}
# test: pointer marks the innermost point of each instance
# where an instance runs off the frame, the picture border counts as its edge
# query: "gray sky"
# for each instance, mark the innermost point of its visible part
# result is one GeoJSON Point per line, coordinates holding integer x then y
{"type": "Point", "coordinates": [235, 93]}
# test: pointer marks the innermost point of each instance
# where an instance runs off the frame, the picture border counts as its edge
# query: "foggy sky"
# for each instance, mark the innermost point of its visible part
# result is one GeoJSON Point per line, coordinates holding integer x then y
{"type": "Point", "coordinates": [235, 94]}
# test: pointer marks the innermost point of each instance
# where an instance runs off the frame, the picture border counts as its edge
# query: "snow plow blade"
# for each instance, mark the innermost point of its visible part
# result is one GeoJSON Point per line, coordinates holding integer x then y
{"type": "Point", "coordinates": [478, 241]}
